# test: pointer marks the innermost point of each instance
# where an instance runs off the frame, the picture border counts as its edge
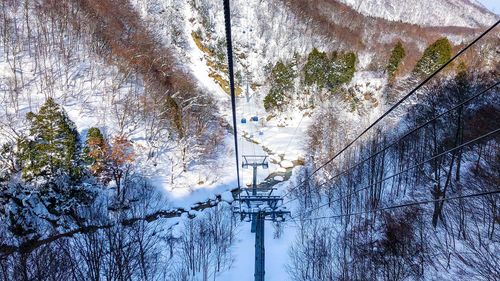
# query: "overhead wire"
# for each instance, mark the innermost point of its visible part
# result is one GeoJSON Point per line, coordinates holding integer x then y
{"type": "Point", "coordinates": [347, 170]}
{"type": "Point", "coordinates": [484, 136]}
{"type": "Point", "coordinates": [252, 110]}
{"type": "Point", "coordinates": [393, 107]}
{"type": "Point", "coordinates": [409, 204]}
{"type": "Point", "coordinates": [227, 20]}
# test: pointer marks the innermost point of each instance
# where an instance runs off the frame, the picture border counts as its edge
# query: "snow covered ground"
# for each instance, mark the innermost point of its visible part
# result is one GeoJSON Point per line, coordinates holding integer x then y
{"type": "Point", "coordinates": [276, 253]}
{"type": "Point", "coordinates": [427, 12]}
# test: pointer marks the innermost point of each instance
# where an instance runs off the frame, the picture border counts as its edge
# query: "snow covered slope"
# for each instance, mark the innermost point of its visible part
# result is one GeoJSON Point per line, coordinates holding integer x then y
{"type": "Point", "coordinates": [465, 13]}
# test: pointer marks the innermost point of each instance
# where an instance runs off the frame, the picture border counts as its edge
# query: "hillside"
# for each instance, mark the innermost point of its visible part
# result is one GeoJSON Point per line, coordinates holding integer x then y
{"type": "Point", "coordinates": [468, 13]}
{"type": "Point", "coordinates": [118, 162]}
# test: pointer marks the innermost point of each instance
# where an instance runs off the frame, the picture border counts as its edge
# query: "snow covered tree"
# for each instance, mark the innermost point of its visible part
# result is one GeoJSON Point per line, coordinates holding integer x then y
{"type": "Point", "coordinates": [397, 55]}
{"type": "Point", "coordinates": [282, 76]}
{"type": "Point", "coordinates": [437, 54]}
{"type": "Point", "coordinates": [341, 69]}
{"type": "Point", "coordinates": [7, 161]}
{"type": "Point", "coordinates": [316, 69]}
{"type": "Point", "coordinates": [331, 71]}
{"type": "Point", "coordinates": [95, 151]}
{"type": "Point", "coordinates": [118, 161]}
{"type": "Point", "coordinates": [274, 100]}
{"type": "Point", "coordinates": [51, 148]}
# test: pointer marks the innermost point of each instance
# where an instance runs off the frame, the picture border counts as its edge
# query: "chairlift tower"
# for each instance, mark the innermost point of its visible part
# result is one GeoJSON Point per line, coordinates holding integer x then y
{"type": "Point", "coordinates": [259, 206]}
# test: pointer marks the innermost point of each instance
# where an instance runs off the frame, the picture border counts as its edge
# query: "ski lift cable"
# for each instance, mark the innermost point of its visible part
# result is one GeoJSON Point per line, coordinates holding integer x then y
{"type": "Point", "coordinates": [347, 170]}
{"type": "Point", "coordinates": [392, 108]}
{"type": "Point", "coordinates": [292, 138]}
{"type": "Point", "coordinates": [480, 138]}
{"type": "Point", "coordinates": [403, 205]}
{"type": "Point", "coordinates": [227, 20]}
{"type": "Point", "coordinates": [252, 105]}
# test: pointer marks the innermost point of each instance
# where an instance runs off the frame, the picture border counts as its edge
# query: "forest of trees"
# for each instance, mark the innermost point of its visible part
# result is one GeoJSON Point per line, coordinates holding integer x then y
{"type": "Point", "coordinates": [321, 74]}
{"type": "Point", "coordinates": [74, 203]}
{"type": "Point", "coordinates": [76, 197]}
{"type": "Point", "coordinates": [454, 155]}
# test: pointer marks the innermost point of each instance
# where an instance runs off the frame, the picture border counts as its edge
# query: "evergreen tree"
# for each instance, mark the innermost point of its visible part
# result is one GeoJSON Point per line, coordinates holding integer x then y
{"type": "Point", "coordinates": [51, 149]}
{"type": "Point", "coordinates": [316, 69]}
{"type": "Point", "coordinates": [397, 55]}
{"type": "Point", "coordinates": [342, 68]}
{"type": "Point", "coordinates": [274, 100]}
{"type": "Point", "coordinates": [437, 54]}
{"type": "Point", "coordinates": [95, 151]}
{"type": "Point", "coordinates": [282, 76]}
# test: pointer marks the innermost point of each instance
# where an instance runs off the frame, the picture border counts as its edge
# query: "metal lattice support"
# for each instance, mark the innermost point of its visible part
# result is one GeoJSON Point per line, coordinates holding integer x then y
{"type": "Point", "coordinates": [258, 206]}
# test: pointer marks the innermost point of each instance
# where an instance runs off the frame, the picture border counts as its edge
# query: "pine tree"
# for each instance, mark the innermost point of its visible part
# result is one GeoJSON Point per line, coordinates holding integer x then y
{"type": "Point", "coordinates": [282, 76]}
{"type": "Point", "coordinates": [316, 69]}
{"type": "Point", "coordinates": [51, 149]}
{"type": "Point", "coordinates": [397, 55]}
{"type": "Point", "coordinates": [342, 68]}
{"type": "Point", "coordinates": [274, 100]}
{"type": "Point", "coordinates": [437, 54]}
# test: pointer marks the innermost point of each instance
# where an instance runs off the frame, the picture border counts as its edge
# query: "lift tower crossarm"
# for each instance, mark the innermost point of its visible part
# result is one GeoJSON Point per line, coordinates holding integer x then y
{"type": "Point", "coordinates": [258, 207]}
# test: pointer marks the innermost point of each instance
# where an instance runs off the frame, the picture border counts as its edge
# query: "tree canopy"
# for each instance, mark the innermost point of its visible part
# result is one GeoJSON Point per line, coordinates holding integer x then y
{"type": "Point", "coordinates": [316, 69]}
{"type": "Point", "coordinates": [282, 76]}
{"type": "Point", "coordinates": [435, 55]}
{"type": "Point", "coordinates": [397, 55]}
{"type": "Point", "coordinates": [51, 148]}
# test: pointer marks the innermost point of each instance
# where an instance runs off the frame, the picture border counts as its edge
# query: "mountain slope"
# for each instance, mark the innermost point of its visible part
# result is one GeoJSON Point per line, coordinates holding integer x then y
{"type": "Point", "coordinates": [465, 13]}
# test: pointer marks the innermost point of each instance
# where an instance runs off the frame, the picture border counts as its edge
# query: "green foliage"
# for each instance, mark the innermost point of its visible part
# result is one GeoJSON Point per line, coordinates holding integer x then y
{"type": "Point", "coordinates": [342, 68]}
{"type": "Point", "coordinates": [332, 72]}
{"type": "Point", "coordinates": [94, 133]}
{"type": "Point", "coordinates": [274, 100]}
{"type": "Point", "coordinates": [437, 54]}
{"type": "Point", "coordinates": [220, 52]}
{"type": "Point", "coordinates": [95, 150]}
{"type": "Point", "coordinates": [282, 76]}
{"type": "Point", "coordinates": [397, 55]}
{"type": "Point", "coordinates": [51, 149]}
{"type": "Point", "coordinates": [316, 69]}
